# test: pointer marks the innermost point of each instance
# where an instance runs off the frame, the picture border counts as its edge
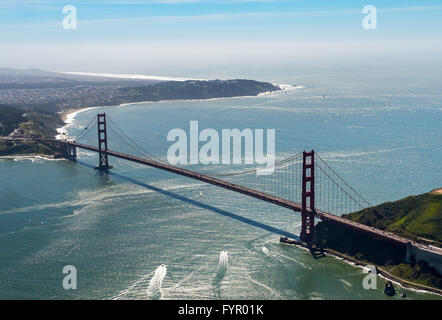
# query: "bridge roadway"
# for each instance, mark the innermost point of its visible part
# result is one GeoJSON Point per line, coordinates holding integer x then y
{"type": "Point", "coordinates": [250, 192]}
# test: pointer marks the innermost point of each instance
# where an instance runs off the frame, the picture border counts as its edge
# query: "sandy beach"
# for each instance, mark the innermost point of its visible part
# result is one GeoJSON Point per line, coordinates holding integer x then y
{"type": "Point", "coordinates": [68, 117]}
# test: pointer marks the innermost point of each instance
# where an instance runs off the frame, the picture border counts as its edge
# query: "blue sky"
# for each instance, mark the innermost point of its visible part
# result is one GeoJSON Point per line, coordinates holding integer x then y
{"type": "Point", "coordinates": [174, 31]}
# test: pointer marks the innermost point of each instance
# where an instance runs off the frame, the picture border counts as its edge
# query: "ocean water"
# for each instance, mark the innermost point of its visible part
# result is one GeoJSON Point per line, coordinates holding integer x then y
{"type": "Point", "coordinates": [140, 233]}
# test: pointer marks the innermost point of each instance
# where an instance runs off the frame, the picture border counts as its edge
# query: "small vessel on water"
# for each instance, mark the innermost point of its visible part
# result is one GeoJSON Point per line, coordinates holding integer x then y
{"type": "Point", "coordinates": [389, 289]}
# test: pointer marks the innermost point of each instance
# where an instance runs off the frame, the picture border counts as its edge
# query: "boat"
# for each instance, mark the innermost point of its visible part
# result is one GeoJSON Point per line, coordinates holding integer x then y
{"type": "Point", "coordinates": [389, 289]}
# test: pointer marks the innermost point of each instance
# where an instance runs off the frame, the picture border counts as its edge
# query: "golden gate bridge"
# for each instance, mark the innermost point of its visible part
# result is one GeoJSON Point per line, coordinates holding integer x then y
{"type": "Point", "coordinates": [303, 182]}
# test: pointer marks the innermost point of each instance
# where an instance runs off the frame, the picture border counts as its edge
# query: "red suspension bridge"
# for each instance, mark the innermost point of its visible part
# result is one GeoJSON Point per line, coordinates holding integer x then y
{"type": "Point", "coordinates": [303, 182]}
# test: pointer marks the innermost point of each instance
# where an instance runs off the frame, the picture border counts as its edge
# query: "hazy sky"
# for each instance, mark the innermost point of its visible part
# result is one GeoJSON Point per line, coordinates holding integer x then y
{"type": "Point", "coordinates": [137, 35]}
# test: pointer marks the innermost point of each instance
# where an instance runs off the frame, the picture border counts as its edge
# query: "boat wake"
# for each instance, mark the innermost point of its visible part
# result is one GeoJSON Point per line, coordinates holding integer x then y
{"type": "Point", "coordinates": [222, 270]}
{"type": "Point", "coordinates": [123, 294]}
{"type": "Point", "coordinates": [154, 289]}
{"type": "Point", "coordinates": [265, 250]}
{"type": "Point", "coordinates": [223, 265]}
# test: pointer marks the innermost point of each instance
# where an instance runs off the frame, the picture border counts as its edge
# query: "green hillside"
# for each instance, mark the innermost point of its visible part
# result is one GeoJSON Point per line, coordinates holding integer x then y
{"type": "Point", "coordinates": [415, 217]}
{"type": "Point", "coordinates": [10, 117]}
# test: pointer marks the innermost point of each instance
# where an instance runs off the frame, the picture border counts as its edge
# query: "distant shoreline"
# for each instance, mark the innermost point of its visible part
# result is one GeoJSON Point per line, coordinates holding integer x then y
{"type": "Point", "coordinates": [130, 76]}
{"type": "Point", "coordinates": [52, 114]}
{"type": "Point", "coordinates": [30, 156]}
{"type": "Point", "coordinates": [68, 115]}
{"type": "Point", "coordinates": [282, 87]}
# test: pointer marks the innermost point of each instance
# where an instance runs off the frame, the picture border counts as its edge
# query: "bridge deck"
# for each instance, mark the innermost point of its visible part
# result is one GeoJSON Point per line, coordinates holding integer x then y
{"type": "Point", "coordinates": [250, 192]}
{"type": "Point", "coordinates": [201, 177]}
{"type": "Point", "coordinates": [363, 228]}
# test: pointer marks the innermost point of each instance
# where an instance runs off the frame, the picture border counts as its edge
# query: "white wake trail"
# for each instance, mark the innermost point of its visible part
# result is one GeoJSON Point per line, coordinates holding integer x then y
{"type": "Point", "coordinates": [154, 289]}
{"type": "Point", "coordinates": [265, 250]}
{"type": "Point", "coordinates": [222, 269]}
{"type": "Point", "coordinates": [223, 265]}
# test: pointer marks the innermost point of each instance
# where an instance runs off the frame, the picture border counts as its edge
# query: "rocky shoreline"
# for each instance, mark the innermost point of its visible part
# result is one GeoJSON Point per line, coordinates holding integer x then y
{"type": "Point", "coordinates": [387, 275]}
{"type": "Point", "coordinates": [355, 262]}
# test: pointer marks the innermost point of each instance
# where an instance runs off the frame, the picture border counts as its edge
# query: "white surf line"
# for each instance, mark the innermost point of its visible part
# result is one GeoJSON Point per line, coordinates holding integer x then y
{"type": "Point", "coordinates": [407, 288]}
{"type": "Point", "coordinates": [31, 157]}
{"type": "Point", "coordinates": [283, 87]}
{"type": "Point", "coordinates": [69, 121]}
{"type": "Point", "coordinates": [259, 95]}
{"type": "Point", "coordinates": [130, 76]}
{"type": "Point", "coordinates": [381, 276]}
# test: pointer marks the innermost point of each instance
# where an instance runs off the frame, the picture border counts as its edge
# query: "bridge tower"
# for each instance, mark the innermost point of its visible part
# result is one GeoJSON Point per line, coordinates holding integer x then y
{"type": "Point", "coordinates": [67, 150]}
{"type": "Point", "coordinates": [308, 196]}
{"type": "Point", "coordinates": [103, 163]}
{"type": "Point", "coordinates": [71, 151]}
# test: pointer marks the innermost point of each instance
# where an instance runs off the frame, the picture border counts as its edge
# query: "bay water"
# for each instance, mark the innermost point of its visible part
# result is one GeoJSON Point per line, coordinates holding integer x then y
{"type": "Point", "coordinates": [140, 233]}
